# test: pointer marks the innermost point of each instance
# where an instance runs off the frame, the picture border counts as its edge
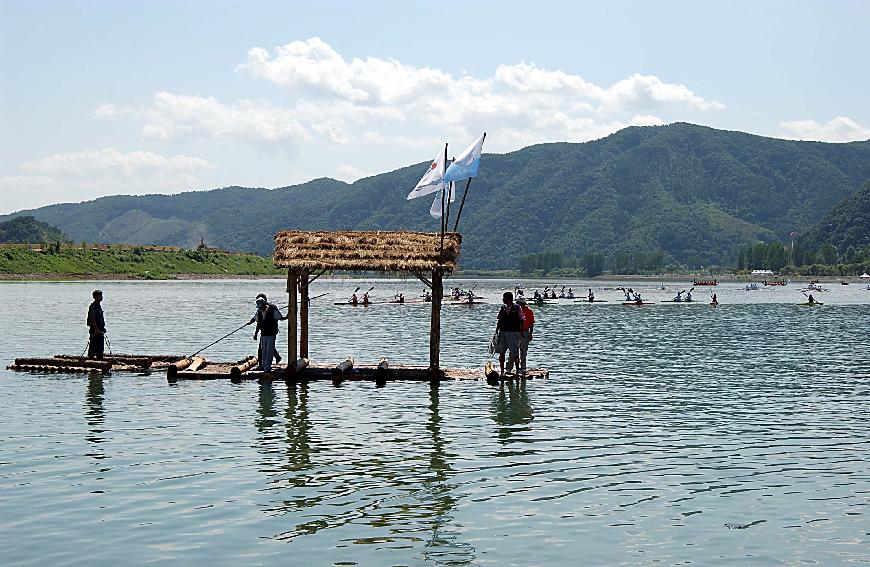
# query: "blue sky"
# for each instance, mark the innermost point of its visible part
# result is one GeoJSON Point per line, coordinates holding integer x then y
{"type": "Point", "coordinates": [134, 97]}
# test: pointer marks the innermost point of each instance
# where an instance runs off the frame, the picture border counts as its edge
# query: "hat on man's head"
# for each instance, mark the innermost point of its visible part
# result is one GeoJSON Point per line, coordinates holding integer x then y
{"type": "Point", "coordinates": [522, 300]}
{"type": "Point", "coordinates": [261, 302]}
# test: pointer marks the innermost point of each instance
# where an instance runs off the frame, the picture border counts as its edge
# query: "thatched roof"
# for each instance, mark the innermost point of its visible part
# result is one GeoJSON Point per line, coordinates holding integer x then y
{"type": "Point", "coordinates": [397, 251]}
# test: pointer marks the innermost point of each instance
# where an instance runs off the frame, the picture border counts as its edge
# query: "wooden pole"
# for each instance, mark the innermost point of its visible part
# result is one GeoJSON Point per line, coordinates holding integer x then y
{"type": "Point", "coordinates": [462, 204]}
{"type": "Point", "coordinates": [443, 190]}
{"type": "Point", "coordinates": [303, 315]}
{"type": "Point", "coordinates": [435, 323]}
{"type": "Point", "coordinates": [292, 287]}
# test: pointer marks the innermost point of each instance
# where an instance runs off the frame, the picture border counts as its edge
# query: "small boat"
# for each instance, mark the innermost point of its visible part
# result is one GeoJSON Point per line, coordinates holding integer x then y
{"type": "Point", "coordinates": [844, 282]}
{"type": "Point", "coordinates": [808, 304]}
{"type": "Point", "coordinates": [714, 304]}
{"type": "Point", "coordinates": [591, 301]}
{"type": "Point", "coordinates": [678, 301]}
{"type": "Point", "coordinates": [752, 287]}
{"type": "Point", "coordinates": [814, 286]}
{"type": "Point", "coordinates": [774, 282]}
{"type": "Point", "coordinates": [352, 304]}
{"type": "Point", "coordinates": [638, 302]}
{"type": "Point", "coordinates": [704, 282]}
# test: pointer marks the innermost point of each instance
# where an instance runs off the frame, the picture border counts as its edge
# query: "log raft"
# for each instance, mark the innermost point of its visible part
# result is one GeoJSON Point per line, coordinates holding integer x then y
{"type": "Point", "coordinates": [198, 368]}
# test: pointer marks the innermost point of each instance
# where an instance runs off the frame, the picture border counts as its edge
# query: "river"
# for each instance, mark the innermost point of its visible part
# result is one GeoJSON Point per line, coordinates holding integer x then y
{"type": "Point", "coordinates": [666, 434]}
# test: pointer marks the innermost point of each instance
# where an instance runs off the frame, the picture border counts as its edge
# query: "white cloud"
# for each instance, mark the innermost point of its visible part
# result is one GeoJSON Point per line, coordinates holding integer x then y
{"type": "Point", "coordinates": [78, 176]}
{"type": "Point", "coordinates": [351, 173]}
{"type": "Point", "coordinates": [336, 101]}
{"type": "Point", "coordinates": [837, 129]}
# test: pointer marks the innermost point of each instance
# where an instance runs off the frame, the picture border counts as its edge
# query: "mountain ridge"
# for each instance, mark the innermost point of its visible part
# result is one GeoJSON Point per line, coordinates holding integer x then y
{"type": "Point", "coordinates": [694, 192]}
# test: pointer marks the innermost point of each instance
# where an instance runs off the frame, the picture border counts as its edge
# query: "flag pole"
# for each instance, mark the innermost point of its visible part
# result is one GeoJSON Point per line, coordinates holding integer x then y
{"type": "Point", "coordinates": [443, 173]}
{"type": "Point", "coordinates": [450, 192]}
{"type": "Point", "coordinates": [462, 204]}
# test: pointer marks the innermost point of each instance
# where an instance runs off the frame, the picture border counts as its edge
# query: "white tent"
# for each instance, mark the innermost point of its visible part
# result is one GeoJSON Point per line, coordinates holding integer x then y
{"type": "Point", "coordinates": [865, 276]}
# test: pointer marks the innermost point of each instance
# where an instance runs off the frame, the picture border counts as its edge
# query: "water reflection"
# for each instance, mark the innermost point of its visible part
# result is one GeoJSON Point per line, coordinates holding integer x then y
{"type": "Point", "coordinates": [439, 496]}
{"type": "Point", "coordinates": [298, 429]}
{"type": "Point", "coordinates": [94, 414]}
{"type": "Point", "coordinates": [511, 408]}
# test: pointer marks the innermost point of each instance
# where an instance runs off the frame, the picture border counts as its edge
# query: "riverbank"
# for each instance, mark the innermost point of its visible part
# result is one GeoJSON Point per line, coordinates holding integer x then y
{"type": "Point", "coordinates": [133, 264]}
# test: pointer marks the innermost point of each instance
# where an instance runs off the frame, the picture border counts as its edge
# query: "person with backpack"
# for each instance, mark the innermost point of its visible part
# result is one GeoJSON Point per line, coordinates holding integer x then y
{"type": "Point", "coordinates": [509, 327]}
{"type": "Point", "coordinates": [267, 317]}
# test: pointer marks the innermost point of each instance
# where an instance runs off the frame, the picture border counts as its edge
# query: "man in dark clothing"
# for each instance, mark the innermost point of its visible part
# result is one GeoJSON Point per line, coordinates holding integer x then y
{"type": "Point", "coordinates": [510, 326]}
{"type": "Point", "coordinates": [96, 327]}
{"type": "Point", "coordinates": [257, 318]}
{"type": "Point", "coordinates": [267, 319]}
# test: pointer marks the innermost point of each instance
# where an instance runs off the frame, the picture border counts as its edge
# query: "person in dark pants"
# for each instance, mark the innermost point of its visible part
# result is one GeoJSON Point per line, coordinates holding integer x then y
{"type": "Point", "coordinates": [96, 327]}
{"type": "Point", "coordinates": [268, 327]}
{"type": "Point", "coordinates": [257, 318]}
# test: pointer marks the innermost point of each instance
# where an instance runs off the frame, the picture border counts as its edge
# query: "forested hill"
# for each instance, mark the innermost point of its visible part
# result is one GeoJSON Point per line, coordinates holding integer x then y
{"type": "Point", "coordinates": [26, 229]}
{"type": "Point", "coordinates": [693, 192]}
{"type": "Point", "coordinates": [846, 226]}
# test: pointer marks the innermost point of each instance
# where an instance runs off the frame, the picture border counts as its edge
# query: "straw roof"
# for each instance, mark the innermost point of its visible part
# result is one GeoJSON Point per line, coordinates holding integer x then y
{"type": "Point", "coordinates": [396, 251]}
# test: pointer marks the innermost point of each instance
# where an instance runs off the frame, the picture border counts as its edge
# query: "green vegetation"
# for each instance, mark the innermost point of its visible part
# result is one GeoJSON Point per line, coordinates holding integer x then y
{"type": "Point", "coordinates": [846, 227]}
{"type": "Point", "coordinates": [28, 230]}
{"type": "Point", "coordinates": [644, 198]}
{"type": "Point", "coordinates": [136, 263]}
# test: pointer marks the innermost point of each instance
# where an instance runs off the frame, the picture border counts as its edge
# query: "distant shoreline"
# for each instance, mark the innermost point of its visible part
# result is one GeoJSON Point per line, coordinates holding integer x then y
{"type": "Point", "coordinates": [49, 277]}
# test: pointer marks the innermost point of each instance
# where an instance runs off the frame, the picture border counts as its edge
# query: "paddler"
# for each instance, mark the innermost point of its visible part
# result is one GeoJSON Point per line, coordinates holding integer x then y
{"type": "Point", "coordinates": [353, 299]}
{"type": "Point", "coordinates": [714, 301]}
{"type": "Point", "coordinates": [365, 300]}
{"type": "Point", "coordinates": [591, 296]}
{"type": "Point", "coordinates": [811, 300]}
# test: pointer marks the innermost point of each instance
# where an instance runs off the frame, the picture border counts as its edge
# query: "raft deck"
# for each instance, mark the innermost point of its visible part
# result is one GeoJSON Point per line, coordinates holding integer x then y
{"type": "Point", "coordinates": [177, 367]}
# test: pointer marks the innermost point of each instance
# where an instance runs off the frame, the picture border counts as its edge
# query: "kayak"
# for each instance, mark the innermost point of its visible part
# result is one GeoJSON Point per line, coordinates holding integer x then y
{"type": "Point", "coordinates": [714, 304]}
{"type": "Point", "coordinates": [680, 301]}
{"type": "Point", "coordinates": [593, 301]}
{"type": "Point", "coordinates": [351, 304]}
{"type": "Point", "coordinates": [808, 304]}
{"type": "Point", "coordinates": [467, 303]}
{"type": "Point", "coordinates": [636, 303]}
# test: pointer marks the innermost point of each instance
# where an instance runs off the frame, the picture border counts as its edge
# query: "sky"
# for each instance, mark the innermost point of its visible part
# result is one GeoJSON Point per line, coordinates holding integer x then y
{"type": "Point", "coordinates": [135, 97]}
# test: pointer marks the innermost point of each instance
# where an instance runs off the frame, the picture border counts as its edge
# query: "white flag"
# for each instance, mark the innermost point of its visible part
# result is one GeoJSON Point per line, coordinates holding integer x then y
{"type": "Point", "coordinates": [468, 162]}
{"type": "Point", "coordinates": [435, 209]}
{"type": "Point", "coordinates": [432, 180]}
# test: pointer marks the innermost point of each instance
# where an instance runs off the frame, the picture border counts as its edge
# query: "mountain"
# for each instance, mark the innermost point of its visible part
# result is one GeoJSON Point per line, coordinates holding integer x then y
{"type": "Point", "coordinates": [847, 224]}
{"type": "Point", "coordinates": [693, 192]}
{"type": "Point", "coordinates": [29, 230]}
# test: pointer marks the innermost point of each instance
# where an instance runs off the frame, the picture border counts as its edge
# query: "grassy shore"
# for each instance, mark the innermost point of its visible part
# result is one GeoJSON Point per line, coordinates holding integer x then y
{"type": "Point", "coordinates": [72, 263]}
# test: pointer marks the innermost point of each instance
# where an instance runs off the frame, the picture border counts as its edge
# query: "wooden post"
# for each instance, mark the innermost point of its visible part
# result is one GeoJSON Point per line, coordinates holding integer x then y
{"type": "Point", "coordinates": [435, 324]}
{"type": "Point", "coordinates": [292, 286]}
{"type": "Point", "coordinates": [303, 315]}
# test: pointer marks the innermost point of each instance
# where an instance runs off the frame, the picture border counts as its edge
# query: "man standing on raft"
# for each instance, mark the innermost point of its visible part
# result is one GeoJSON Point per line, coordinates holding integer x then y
{"type": "Point", "coordinates": [268, 318]}
{"type": "Point", "coordinates": [509, 327]}
{"type": "Point", "coordinates": [96, 327]}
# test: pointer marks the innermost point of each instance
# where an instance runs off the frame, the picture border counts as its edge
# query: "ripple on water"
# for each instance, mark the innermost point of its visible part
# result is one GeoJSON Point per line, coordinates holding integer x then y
{"type": "Point", "coordinates": [673, 434]}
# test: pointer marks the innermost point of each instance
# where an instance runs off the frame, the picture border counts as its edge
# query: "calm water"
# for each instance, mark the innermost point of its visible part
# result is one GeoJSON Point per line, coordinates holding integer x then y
{"type": "Point", "coordinates": [669, 434]}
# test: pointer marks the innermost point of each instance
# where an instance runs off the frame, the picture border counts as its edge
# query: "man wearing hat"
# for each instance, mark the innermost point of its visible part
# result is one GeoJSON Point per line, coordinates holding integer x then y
{"type": "Point", "coordinates": [256, 319]}
{"type": "Point", "coordinates": [509, 327]}
{"type": "Point", "coordinates": [96, 327]}
{"type": "Point", "coordinates": [526, 333]}
{"type": "Point", "coordinates": [267, 318]}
